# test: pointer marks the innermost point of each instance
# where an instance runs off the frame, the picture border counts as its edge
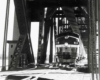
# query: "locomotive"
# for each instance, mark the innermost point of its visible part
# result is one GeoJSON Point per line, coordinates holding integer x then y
{"type": "Point", "coordinates": [67, 48]}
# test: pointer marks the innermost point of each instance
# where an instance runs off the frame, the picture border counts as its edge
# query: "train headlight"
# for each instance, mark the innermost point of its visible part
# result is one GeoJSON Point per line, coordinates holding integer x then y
{"type": "Point", "coordinates": [66, 44]}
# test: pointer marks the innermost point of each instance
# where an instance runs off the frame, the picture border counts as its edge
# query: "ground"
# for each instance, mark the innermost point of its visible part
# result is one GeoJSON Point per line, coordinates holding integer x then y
{"type": "Point", "coordinates": [44, 74]}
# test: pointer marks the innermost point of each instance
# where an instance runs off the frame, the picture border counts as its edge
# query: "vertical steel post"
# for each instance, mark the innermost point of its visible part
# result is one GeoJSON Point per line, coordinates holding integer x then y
{"type": "Point", "coordinates": [46, 33]}
{"type": "Point", "coordinates": [92, 45]}
{"type": "Point", "coordinates": [51, 42]}
{"type": "Point", "coordinates": [5, 36]}
{"type": "Point", "coordinates": [99, 33]}
{"type": "Point", "coordinates": [58, 23]}
{"type": "Point", "coordinates": [88, 30]}
{"type": "Point", "coordinates": [96, 18]}
{"type": "Point", "coordinates": [54, 28]}
{"type": "Point", "coordinates": [97, 8]}
{"type": "Point", "coordinates": [27, 30]}
{"type": "Point", "coordinates": [39, 40]}
{"type": "Point", "coordinates": [21, 12]}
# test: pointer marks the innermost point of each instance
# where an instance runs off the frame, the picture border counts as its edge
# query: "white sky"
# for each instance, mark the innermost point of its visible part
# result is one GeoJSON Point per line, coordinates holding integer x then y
{"type": "Point", "coordinates": [34, 38]}
{"type": "Point", "coordinates": [2, 23]}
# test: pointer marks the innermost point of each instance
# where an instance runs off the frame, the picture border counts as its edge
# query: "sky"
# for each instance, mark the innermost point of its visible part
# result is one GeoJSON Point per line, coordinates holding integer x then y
{"type": "Point", "coordinates": [2, 24]}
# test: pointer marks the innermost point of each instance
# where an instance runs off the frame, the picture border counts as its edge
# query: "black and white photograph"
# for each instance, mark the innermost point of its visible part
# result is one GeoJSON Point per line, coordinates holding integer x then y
{"type": "Point", "coordinates": [49, 40]}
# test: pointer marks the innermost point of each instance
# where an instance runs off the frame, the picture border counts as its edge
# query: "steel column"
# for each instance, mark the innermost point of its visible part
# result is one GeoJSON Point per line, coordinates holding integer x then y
{"type": "Point", "coordinates": [90, 49]}
{"type": "Point", "coordinates": [41, 27]}
{"type": "Point", "coordinates": [96, 24]}
{"type": "Point", "coordinates": [88, 30]}
{"type": "Point", "coordinates": [92, 39]}
{"type": "Point", "coordinates": [23, 24]}
{"type": "Point", "coordinates": [99, 32]}
{"type": "Point", "coordinates": [50, 12]}
{"type": "Point", "coordinates": [46, 32]}
{"type": "Point", "coordinates": [20, 12]}
{"type": "Point", "coordinates": [51, 43]}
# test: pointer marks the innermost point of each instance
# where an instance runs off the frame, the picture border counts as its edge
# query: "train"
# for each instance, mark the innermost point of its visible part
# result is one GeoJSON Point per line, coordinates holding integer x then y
{"type": "Point", "coordinates": [67, 48]}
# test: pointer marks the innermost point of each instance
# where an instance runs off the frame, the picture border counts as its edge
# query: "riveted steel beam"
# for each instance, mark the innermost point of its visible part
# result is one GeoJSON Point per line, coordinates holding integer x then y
{"type": "Point", "coordinates": [56, 3]}
{"type": "Point", "coordinates": [21, 15]}
{"type": "Point", "coordinates": [98, 9]}
{"type": "Point", "coordinates": [92, 38]}
{"type": "Point", "coordinates": [24, 25]}
{"type": "Point", "coordinates": [46, 33]}
{"type": "Point", "coordinates": [51, 42]}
